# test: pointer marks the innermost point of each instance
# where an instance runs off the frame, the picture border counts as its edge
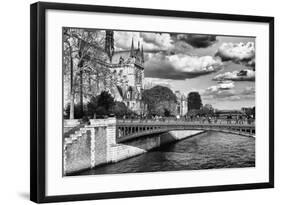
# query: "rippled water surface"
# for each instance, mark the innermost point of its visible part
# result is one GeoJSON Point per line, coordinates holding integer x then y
{"type": "Point", "coordinates": [205, 151]}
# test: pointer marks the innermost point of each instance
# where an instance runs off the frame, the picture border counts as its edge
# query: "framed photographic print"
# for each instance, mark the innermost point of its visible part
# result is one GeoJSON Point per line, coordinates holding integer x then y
{"type": "Point", "coordinates": [129, 102]}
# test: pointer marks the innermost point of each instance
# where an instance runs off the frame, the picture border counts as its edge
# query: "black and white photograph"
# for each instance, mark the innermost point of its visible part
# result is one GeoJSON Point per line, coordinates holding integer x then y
{"type": "Point", "coordinates": [135, 102]}
{"type": "Point", "coordinates": [138, 101]}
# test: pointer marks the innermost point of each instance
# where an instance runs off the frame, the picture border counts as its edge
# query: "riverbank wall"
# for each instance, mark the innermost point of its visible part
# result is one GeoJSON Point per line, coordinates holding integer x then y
{"type": "Point", "coordinates": [95, 145]}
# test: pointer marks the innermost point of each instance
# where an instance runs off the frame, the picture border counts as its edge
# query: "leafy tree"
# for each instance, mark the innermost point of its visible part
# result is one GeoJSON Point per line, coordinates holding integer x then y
{"type": "Point", "coordinates": [92, 106]}
{"type": "Point", "coordinates": [76, 111]}
{"type": "Point", "coordinates": [194, 101]}
{"type": "Point", "coordinates": [158, 99]}
{"type": "Point", "coordinates": [100, 105]}
{"type": "Point", "coordinates": [120, 110]}
{"type": "Point", "coordinates": [167, 112]}
{"type": "Point", "coordinates": [105, 100]}
{"type": "Point", "coordinates": [101, 111]}
{"type": "Point", "coordinates": [207, 110]}
{"type": "Point", "coordinates": [193, 113]}
{"type": "Point", "coordinates": [250, 112]}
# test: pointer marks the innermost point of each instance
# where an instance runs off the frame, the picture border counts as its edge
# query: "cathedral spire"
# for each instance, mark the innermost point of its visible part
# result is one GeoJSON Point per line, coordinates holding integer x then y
{"type": "Point", "coordinates": [109, 44]}
{"type": "Point", "coordinates": [132, 48]}
{"type": "Point", "coordinates": [142, 54]}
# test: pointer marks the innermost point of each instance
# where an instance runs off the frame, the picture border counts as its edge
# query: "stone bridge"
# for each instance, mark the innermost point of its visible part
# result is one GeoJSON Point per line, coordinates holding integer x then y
{"type": "Point", "coordinates": [128, 130]}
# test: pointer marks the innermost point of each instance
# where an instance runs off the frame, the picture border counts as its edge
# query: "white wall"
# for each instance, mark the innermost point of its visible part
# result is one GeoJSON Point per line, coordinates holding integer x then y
{"type": "Point", "coordinates": [14, 109]}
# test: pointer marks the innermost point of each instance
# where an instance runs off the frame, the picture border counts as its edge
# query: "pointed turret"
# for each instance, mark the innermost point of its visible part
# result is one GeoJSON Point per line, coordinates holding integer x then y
{"type": "Point", "coordinates": [132, 48]}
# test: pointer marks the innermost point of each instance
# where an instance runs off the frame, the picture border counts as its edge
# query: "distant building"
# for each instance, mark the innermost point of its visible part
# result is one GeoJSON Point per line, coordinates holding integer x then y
{"type": "Point", "coordinates": [246, 109]}
{"type": "Point", "coordinates": [181, 104]}
{"type": "Point", "coordinates": [148, 84]}
{"type": "Point", "coordinates": [249, 111]}
{"type": "Point", "coordinates": [233, 113]}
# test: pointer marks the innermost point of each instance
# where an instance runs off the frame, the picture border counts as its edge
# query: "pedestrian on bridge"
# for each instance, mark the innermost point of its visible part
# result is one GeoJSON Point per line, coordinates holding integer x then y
{"type": "Point", "coordinates": [249, 120]}
{"type": "Point", "coordinates": [241, 119]}
{"type": "Point", "coordinates": [237, 119]}
{"type": "Point", "coordinates": [209, 120]}
{"type": "Point", "coordinates": [215, 119]}
{"type": "Point", "coordinates": [228, 119]}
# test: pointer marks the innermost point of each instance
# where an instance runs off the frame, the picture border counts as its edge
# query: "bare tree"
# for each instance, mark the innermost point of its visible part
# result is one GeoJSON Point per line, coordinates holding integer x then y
{"type": "Point", "coordinates": [84, 49]}
{"type": "Point", "coordinates": [69, 51]}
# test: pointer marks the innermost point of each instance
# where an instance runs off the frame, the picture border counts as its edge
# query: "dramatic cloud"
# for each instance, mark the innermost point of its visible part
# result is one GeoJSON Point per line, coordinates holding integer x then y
{"type": "Point", "coordinates": [226, 85]}
{"type": "Point", "coordinates": [218, 94]}
{"type": "Point", "coordinates": [220, 90]}
{"type": "Point", "coordinates": [197, 40]}
{"type": "Point", "coordinates": [159, 67]}
{"type": "Point", "coordinates": [225, 91]}
{"type": "Point", "coordinates": [180, 66]}
{"type": "Point", "coordinates": [154, 41]}
{"type": "Point", "coordinates": [243, 53]}
{"type": "Point", "coordinates": [180, 47]}
{"type": "Point", "coordinates": [243, 75]}
{"type": "Point", "coordinates": [151, 42]}
{"type": "Point", "coordinates": [249, 91]}
{"type": "Point", "coordinates": [170, 43]}
{"type": "Point", "coordinates": [187, 63]}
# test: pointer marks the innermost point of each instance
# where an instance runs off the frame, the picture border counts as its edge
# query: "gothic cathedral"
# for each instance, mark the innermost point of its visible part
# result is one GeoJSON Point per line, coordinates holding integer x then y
{"type": "Point", "coordinates": [127, 69]}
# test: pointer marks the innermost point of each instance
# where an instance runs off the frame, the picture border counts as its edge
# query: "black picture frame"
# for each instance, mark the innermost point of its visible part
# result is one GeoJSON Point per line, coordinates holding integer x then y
{"type": "Point", "coordinates": [38, 100]}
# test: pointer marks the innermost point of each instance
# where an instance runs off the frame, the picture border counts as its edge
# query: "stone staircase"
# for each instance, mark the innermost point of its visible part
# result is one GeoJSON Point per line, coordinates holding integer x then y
{"type": "Point", "coordinates": [73, 141]}
{"type": "Point", "coordinates": [73, 135]}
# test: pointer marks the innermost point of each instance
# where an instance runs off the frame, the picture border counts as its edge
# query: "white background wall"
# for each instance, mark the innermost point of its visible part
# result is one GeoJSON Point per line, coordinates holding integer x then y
{"type": "Point", "coordinates": [14, 103]}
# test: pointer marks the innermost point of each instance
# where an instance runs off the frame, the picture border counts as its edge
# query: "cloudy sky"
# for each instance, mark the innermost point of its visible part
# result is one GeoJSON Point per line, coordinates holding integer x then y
{"type": "Point", "coordinates": [220, 68]}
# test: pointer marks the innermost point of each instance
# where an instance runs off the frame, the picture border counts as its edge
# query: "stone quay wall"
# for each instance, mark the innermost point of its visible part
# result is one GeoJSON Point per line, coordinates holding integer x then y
{"type": "Point", "coordinates": [95, 144]}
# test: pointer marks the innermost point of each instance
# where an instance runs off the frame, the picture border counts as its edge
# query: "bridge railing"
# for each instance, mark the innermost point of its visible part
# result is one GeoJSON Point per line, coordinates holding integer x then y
{"type": "Point", "coordinates": [128, 129]}
{"type": "Point", "coordinates": [204, 122]}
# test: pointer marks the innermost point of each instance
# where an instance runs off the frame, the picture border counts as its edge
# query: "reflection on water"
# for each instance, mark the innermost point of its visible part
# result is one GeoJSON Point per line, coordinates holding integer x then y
{"type": "Point", "coordinates": [204, 151]}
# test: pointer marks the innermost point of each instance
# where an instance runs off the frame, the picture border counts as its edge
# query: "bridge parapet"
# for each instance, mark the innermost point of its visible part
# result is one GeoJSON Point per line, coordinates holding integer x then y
{"type": "Point", "coordinates": [127, 130]}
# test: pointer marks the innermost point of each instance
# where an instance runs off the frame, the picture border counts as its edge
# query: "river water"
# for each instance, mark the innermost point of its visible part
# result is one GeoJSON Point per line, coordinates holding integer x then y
{"type": "Point", "coordinates": [208, 150]}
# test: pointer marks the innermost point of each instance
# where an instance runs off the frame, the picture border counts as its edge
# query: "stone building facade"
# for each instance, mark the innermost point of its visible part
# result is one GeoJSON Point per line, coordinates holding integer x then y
{"type": "Point", "coordinates": [181, 104]}
{"type": "Point", "coordinates": [122, 75]}
{"type": "Point", "coordinates": [126, 77]}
